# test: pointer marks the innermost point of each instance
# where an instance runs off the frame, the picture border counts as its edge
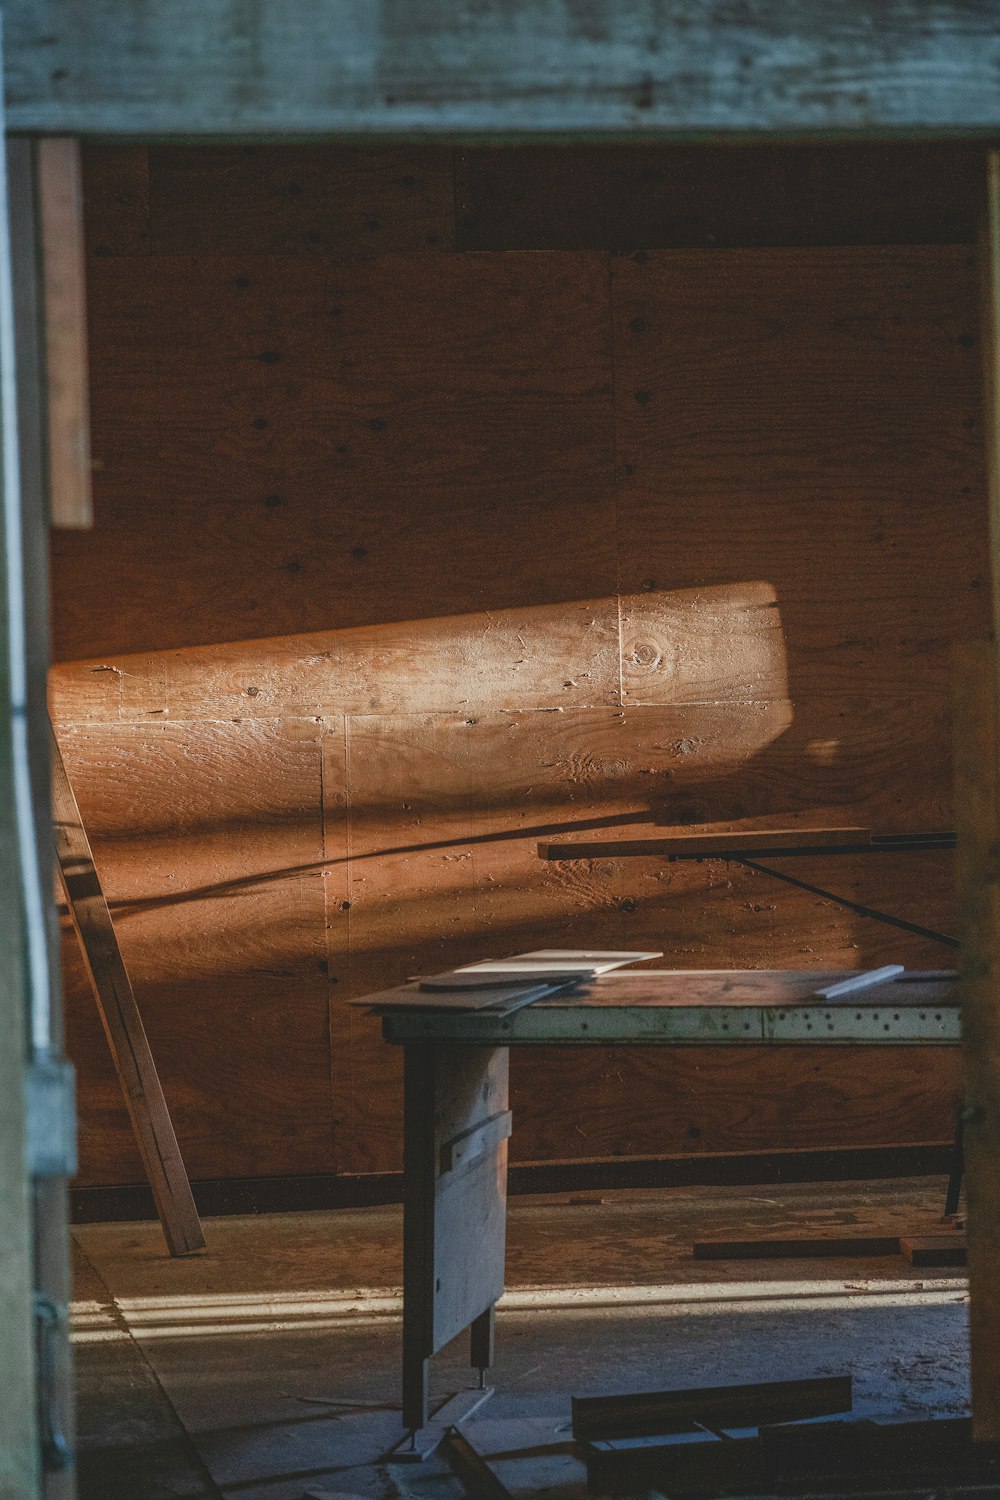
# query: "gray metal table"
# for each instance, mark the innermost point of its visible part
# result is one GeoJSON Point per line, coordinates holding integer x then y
{"type": "Point", "coordinates": [457, 1119]}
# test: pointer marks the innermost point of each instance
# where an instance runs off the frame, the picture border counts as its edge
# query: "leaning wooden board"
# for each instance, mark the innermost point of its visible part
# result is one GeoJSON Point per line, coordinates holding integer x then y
{"type": "Point", "coordinates": [133, 1060]}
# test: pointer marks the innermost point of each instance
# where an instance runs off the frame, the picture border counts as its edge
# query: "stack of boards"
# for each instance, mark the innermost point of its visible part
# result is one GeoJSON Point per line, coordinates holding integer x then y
{"type": "Point", "coordinates": [503, 984]}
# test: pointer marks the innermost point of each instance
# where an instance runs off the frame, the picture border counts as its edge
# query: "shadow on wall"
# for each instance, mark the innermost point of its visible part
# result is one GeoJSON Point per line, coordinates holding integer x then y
{"type": "Point", "coordinates": [423, 817]}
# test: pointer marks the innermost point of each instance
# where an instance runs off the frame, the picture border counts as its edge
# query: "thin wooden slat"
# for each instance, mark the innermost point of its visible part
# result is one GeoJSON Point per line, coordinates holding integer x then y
{"type": "Point", "coordinates": [123, 1026]}
{"type": "Point", "coordinates": [60, 193]}
{"type": "Point", "coordinates": [303, 67]}
{"type": "Point", "coordinates": [759, 841]}
{"type": "Point", "coordinates": [813, 1247]}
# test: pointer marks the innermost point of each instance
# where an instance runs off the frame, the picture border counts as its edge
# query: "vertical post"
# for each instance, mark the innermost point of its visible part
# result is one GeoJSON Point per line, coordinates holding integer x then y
{"type": "Point", "coordinates": [418, 1230]}
{"type": "Point", "coordinates": [49, 1186]}
{"type": "Point", "coordinates": [978, 880]}
{"type": "Point", "coordinates": [26, 996]}
{"type": "Point", "coordinates": [978, 870]}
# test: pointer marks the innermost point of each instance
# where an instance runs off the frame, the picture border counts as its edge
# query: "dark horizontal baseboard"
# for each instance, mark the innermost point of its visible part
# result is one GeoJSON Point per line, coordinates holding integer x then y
{"type": "Point", "coordinates": [272, 1195]}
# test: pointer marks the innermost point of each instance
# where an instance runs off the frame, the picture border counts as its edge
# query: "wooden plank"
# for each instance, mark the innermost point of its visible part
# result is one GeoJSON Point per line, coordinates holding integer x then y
{"type": "Point", "coordinates": [453, 1220]}
{"type": "Point", "coordinates": [641, 197]}
{"type": "Point", "coordinates": [810, 392]}
{"type": "Point", "coordinates": [123, 1026]}
{"type": "Point", "coordinates": [60, 194]}
{"type": "Point", "coordinates": [325, 66]}
{"type": "Point", "coordinates": [301, 200]}
{"type": "Point", "coordinates": [816, 1247]}
{"type": "Point", "coordinates": [649, 1413]}
{"type": "Point", "coordinates": [934, 1249]}
{"type": "Point", "coordinates": [209, 843]}
{"type": "Point", "coordinates": [758, 841]}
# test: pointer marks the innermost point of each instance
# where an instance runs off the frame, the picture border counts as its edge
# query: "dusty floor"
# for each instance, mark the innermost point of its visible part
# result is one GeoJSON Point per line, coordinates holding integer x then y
{"type": "Point", "coordinates": [228, 1373]}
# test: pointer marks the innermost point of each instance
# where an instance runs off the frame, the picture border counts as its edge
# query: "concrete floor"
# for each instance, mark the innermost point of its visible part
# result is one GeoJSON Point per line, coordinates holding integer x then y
{"type": "Point", "coordinates": [268, 1368]}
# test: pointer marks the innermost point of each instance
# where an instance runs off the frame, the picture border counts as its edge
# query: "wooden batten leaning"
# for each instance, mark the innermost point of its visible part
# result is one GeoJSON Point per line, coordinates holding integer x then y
{"type": "Point", "coordinates": [130, 1050]}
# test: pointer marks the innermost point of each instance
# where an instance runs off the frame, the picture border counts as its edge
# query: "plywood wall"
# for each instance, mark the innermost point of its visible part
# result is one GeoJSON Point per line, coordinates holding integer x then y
{"type": "Point", "coordinates": [448, 500]}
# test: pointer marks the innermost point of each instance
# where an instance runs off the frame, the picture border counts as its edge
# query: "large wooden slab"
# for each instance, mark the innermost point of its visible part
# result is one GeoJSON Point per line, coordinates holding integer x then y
{"type": "Point", "coordinates": [547, 658]}
{"type": "Point", "coordinates": [329, 66]}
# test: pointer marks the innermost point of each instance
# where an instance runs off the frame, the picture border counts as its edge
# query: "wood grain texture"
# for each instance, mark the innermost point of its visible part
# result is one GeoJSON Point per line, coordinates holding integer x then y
{"type": "Point", "coordinates": [116, 199]}
{"type": "Point", "coordinates": [543, 657]}
{"type": "Point", "coordinates": [407, 519]}
{"type": "Point", "coordinates": [330, 432]}
{"type": "Point", "coordinates": [134, 1064]}
{"type": "Point", "coordinates": [209, 842]}
{"type": "Point", "coordinates": [444, 871]}
{"type": "Point", "coordinates": [757, 413]}
{"type": "Point", "coordinates": [630, 197]}
{"type": "Point", "coordinates": [331, 67]}
{"type": "Point", "coordinates": [689, 1100]}
{"type": "Point", "coordinates": [301, 200]}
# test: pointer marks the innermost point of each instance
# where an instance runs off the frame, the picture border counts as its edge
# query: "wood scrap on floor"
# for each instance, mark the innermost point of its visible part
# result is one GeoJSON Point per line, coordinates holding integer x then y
{"type": "Point", "coordinates": [918, 1250]}
{"type": "Point", "coordinates": [766, 1439]}
{"type": "Point", "coordinates": [656, 1412]}
{"type": "Point", "coordinates": [934, 1249]}
{"type": "Point", "coordinates": [834, 1246]}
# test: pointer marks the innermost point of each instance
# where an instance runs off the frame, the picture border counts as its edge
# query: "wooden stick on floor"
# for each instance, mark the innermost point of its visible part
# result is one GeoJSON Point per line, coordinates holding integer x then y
{"type": "Point", "coordinates": [122, 1022]}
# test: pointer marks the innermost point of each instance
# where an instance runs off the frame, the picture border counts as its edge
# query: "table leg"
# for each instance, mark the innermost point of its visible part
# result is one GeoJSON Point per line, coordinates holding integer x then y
{"type": "Point", "coordinates": [456, 1125]}
{"type": "Point", "coordinates": [481, 1342]}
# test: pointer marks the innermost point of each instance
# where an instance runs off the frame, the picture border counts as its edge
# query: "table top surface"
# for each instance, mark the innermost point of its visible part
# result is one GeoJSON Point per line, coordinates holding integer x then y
{"type": "Point", "coordinates": [696, 1007]}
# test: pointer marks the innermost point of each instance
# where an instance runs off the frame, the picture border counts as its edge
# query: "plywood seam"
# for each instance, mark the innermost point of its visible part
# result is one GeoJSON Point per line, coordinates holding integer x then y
{"type": "Point", "coordinates": [326, 937]}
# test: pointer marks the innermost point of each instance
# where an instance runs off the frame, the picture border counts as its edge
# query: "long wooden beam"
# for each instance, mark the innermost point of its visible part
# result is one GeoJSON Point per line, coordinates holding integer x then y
{"type": "Point", "coordinates": [694, 69]}
{"type": "Point", "coordinates": [154, 1131]}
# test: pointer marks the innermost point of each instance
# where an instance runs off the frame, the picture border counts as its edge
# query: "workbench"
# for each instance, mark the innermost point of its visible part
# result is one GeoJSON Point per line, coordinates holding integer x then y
{"type": "Point", "coordinates": [457, 1119]}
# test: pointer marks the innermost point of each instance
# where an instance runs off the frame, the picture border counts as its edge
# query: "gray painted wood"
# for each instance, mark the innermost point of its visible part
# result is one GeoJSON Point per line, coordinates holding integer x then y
{"type": "Point", "coordinates": [680, 1026]}
{"type": "Point", "coordinates": [51, 1208]}
{"type": "Point", "coordinates": [658, 1007]}
{"type": "Point", "coordinates": [547, 68]}
{"type": "Point", "coordinates": [19, 1476]}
